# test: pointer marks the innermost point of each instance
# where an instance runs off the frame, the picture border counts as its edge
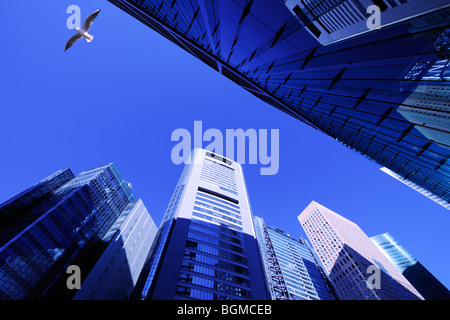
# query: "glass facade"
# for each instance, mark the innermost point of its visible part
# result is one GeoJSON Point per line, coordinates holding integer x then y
{"type": "Point", "coordinates": [206, 248]}
{"type": "Point", "coordinates": [214, 265]}
{"type": "Point", "coordinates": [319, 62]}
{"type": "Point", "coordinates": [414, 186]}
{"type": "Point", "coordinates": [60, 221]}
{"type": "Point", "coordinates": [303, 277]}
{"type": "Point", "coordinates": [152, 266]}
{"type": "Point", "coordinates": [424, 282]}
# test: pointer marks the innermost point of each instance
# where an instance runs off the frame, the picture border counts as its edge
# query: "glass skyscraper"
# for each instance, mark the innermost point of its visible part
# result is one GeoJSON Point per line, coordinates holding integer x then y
{"type": "Point", "coordinates": [422, 279]}
{"type": "Point", "coordinates": [429, 105]}
{"type": "Point", "coordinates": [319, 62]}
{"type": "Point", "coordinates": [331, 21]}
{"type": "Point", "coordinates": [355, 266]}
{"type": "Point", "coordinates": [206, 247]}
{"type": "Point", "coordinates": [292, 271]}
{"type": "Point", "coordinates": [67, 220]}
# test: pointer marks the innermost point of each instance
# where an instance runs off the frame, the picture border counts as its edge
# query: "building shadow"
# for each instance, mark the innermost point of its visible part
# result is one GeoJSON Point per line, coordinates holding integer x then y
{"type": "Point", "coordinates": [357, 278]}
{"type": "Point", "coordinates": [205, 261]}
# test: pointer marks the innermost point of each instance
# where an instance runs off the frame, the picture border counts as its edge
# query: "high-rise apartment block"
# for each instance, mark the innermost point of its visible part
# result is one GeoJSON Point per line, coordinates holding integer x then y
{"type": "Point", "coordinates": [423, 281]}
{"type": "Point", "coordinates": [206, 247]}
{"type": "Point", "coordinates": [355, 266]}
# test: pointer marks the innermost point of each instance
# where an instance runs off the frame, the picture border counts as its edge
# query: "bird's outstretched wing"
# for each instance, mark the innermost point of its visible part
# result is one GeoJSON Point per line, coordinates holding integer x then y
{"type": "Point", "coordinates": [90, 20]}
{"type": "Point", "coordinates": [72, 40]}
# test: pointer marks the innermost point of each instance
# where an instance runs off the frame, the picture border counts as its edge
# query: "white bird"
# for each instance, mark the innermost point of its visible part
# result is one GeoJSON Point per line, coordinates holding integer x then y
{"type": "Point", "coordinates": [83, 32]}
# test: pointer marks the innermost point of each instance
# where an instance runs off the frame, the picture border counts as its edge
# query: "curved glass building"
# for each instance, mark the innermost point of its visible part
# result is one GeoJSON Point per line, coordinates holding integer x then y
{"type": "Point", "coordinates": [370, 79]}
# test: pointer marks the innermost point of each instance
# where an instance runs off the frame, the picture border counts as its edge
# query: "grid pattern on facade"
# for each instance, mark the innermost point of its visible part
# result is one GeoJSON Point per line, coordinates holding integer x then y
{"type": "Point", "coordinates": [291, 257]}
{"type": "Point", "coordinates": [220, 175]}
{"type": "Point", "coordinates": [67, 222]}
{"type": "Point", "coordinates": [214, 264]}
{"type": "Point", "coordinates": [218, 210]}
{"type": "Point", "coordinates": [292, 270]}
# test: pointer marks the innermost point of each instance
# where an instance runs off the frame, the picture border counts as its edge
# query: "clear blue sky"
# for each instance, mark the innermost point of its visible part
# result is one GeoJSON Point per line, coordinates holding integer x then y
{"type": "Point", "coordinates": [119, 98]}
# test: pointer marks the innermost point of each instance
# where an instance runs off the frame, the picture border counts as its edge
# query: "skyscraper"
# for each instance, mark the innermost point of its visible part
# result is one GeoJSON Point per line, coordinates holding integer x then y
{"type": "Point", "coordinates": [349, 89]}
{"type": "Point", "coordinates": [206, 247]}
{"type": "Point", "coordinates": [425, 283]}
{"type": "Point", "coordinates": [63, 221]}
{"type": "Point", "coordinates": [292, 271]}
{"type": "Point", "coordinates": [356, 267]}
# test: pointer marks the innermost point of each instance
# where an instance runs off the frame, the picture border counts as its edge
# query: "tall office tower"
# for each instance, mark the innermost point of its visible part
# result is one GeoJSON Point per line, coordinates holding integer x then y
{"type": "Point", "coordinates": [428, 286]}
{"type": "Point", "coordinates": [68, 220]}
{"type": "Point", "coordinates": [292, 270]}
{"type": "Point", "coordinates": [414, 186]}
{"type": "Point", "coordinates": [206, 248]}
{"type": "Point", "coordinates": [349, 89]}
{"type": "Point", "coordinates": [353, 263]}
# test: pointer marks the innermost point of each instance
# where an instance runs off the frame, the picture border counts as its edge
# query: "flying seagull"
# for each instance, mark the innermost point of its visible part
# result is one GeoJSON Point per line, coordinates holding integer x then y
{"type": "Point", "coordinates": [83, 32]}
